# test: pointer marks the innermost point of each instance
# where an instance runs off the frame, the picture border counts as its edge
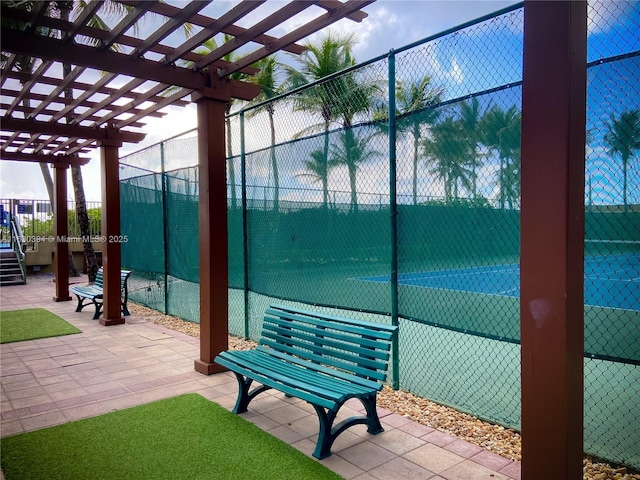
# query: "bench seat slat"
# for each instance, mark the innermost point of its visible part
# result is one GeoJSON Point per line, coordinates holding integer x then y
{"type": "Point", "coordinates": [228, 361]}
{"type": "Point", "coordinates": [297, 376]}
{"type": "Point", "coordinates": [87, 290]}
{"type": "Point", "coordinates": [372, 330]}
{"type": "Point", "coordinates": [326, 380]}
{"type": "Point", "coordinates": [343, 344]}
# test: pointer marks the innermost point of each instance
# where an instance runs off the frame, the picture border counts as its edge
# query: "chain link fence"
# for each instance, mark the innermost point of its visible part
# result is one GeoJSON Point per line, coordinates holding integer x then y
{"type": "Point", "coordinates": [413, 218]}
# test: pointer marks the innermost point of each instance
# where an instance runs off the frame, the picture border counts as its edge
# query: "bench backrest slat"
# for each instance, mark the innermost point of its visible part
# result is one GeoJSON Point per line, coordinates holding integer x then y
{"type": "Point", "coordinates": [99, 281]}
{"type": "Point", "coordinates": [327, 338]}
{"type": "Point", "coordinates": [344, 357]}
{"type": "Point", "coordinates": [320, 368]}
{"type": "Point", "coordinates": [352, 346]}
{"type": "Point", "coordinates": [374, 374]}
{"type": "Point", "coordinates": [328, 331]}
{"type": "Point", "coordinates": [375, 330]}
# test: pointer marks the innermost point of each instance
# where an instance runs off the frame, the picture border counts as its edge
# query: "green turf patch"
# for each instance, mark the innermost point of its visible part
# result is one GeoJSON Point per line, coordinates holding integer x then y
{"type": "Point", "coordinates": [185, 437]}
{"type": "Point", "coordinates": [31, 323]}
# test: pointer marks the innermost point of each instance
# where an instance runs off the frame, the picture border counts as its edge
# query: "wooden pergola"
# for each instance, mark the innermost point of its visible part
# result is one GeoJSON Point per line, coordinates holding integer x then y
{"type": "Point", "coordinates": [114, 89]}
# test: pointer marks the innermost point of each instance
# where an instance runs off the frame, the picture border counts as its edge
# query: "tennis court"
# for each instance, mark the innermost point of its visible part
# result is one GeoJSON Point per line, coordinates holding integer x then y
{"type": "Point", "coordinates": [610, 280]}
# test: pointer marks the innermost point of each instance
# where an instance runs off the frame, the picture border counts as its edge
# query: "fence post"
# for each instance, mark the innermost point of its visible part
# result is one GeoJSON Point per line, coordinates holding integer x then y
{"type": "Point", "coordinates": [393, 215]}
{"type": "Point", "coordinates": [245, 244]}
{"type": "Point", "coordinates": [165, 232]}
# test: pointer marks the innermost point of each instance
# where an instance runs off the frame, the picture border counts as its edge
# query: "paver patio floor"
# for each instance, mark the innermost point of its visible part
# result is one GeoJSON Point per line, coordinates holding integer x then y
{"type": "Point", "coordinates": [50, 381]}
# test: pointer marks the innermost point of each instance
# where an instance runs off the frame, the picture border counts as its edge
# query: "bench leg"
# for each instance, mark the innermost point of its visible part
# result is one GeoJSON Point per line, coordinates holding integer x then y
{"type": "Point", "coordinates": [374, 426]}
{"type": "Point", "coordinates": [98, 305]}
{"type": "Point", "coordinates": [244, 395]}
{"type": "Point", "coordinates": [325, 436]}
{"type": "Point", "coordinates": [80, 305]}
{"type": "Point", "coordinates": [328, 434]}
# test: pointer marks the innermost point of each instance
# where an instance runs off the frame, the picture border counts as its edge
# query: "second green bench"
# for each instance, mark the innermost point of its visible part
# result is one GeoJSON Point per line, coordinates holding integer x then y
{"type": "Point", "coordinates": [93, 294]}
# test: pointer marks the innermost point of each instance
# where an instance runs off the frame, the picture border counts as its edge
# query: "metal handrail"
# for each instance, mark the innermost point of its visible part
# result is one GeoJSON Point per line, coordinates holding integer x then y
{"type": "Point", "coordinates": [17, 240]}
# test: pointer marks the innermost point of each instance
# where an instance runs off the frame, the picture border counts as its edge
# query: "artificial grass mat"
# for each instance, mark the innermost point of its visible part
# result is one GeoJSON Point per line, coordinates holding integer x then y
{"type": "Point", "coordinates": [32, 323]}
{"type": "Point", "coordinates": [186, 437]}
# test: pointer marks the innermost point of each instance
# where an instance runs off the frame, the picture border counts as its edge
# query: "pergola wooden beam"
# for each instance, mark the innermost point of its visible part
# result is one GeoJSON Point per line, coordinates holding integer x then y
{"type": "Point", "coordinates": [47, 128]}
{"type": "Point", "coordinates": [27, 84]}
{"type": "Point", "coordinates": [22, 43]}
{"type": "Point", "coordinates": [98, 87]}
{"type": "Point", "coordinates": [43, 158]}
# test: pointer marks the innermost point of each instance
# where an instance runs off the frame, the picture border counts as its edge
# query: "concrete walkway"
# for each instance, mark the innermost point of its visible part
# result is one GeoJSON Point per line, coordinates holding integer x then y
{"type": "Point", "coordinates": [56, 380]}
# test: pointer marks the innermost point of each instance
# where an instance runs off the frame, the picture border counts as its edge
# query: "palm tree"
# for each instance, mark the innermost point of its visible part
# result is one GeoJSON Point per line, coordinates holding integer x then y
{"type": "Point", "coordinates": [470, 118]}
{"type": "Point", "coordinates": [317, 171]}
{"type": "Point", "coordinates": [448, 153]}
{"type": "Point", "coordinates": [354, 96]}
{"type": "Point", "coordinates": [64, 9]}
{"type": "Point", "coordinates": [27, 64]}
{"type": "Point", "coordinates": [352, 151]}
{"type": "Point", "coordinates": [501, 132]}
{"type": "Point", "coordinates": [267, 78]}
{"type": "Point", "coordinates": [205, 49]}
{"type": "Point", "coordinates": [410, 98]}
{"type": "Point", "coordinates": [329, 55]}
{"type": "Point", "coordinates": [623, 138]}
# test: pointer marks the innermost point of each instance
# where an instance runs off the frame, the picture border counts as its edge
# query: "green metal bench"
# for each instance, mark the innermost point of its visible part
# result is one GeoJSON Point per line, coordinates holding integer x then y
{"type": "Point", "coordinates": [322, 359]}
{"type": "Point", "coordinates": [93, 294]}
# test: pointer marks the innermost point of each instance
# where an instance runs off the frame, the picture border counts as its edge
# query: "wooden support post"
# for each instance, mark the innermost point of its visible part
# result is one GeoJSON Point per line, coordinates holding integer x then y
{"type": "Point", "coordinates": [552, 238]}
{"type": "Point", "coordinates": [61, 230]}
{"type": "Point", "coordinates": [214, 281]}
{"type": "Point", "coordinates": [111, 256]}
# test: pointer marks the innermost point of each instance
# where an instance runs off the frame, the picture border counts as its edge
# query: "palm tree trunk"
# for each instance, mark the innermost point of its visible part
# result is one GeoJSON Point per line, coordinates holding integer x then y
{"type": "Point", "coordinates": [474, 177]}
{"type": "Point", "coordinates": [232, 171]}
{"type": "Point", "coordinates": [351, 165]}
{"type": "Point", "coordinates": [625, 161]}
{"type": "Point", "coordinates": [48, 181]}
{"type": "Point", "coordinates": [501, 182]}
{"type": "Point", "coordinates": [83, 221]}
{"type": "Point", "coordinates": [325, 173]}
{"type": "Point", "coordinates": [274, 165]}
{"type": "Point", "coordinates": [416, 141]}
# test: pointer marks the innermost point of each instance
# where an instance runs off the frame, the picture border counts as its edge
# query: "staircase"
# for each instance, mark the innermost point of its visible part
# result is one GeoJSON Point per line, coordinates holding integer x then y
{"type": "Point", "coordinates": [11, 272]}
{"type": "Point", "coordinates": [12, 258]}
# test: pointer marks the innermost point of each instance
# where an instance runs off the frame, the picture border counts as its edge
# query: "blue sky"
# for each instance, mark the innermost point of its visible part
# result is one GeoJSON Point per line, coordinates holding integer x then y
{"type": "Point", "coordinates": [393, 24]}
